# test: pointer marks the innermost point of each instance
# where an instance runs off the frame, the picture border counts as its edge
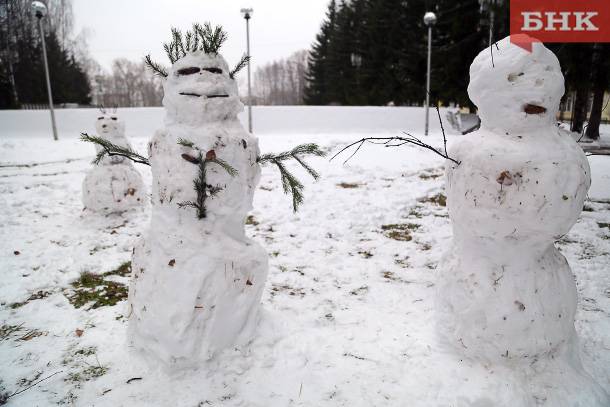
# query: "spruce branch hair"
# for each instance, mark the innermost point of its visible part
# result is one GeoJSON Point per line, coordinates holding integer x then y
{"type": "Point", "coordinates": [200, 184]}
{"type": "Point", "coordinates": [110, 149]}
{"type": "Point", "coordinates": [290, 183]}
{"type": "Point", "coordinates": [200, 38]}
{"type": "Point", "coordinates": [155, 67]}
{"type": "Point", "coordinates": [240, 65]}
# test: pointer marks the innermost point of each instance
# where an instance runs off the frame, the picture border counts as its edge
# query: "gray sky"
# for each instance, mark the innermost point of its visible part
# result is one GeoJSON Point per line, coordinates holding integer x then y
{"type": "Point", "coordinates": [133, 28]}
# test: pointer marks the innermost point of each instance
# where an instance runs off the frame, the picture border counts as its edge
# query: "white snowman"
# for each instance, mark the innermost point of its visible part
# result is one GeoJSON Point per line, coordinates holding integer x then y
{"type": "Point", "coordinates": [114, 185]}
{"type": "Point", "coordinates": [506, 295]}
{"type": "Point", "coordinates": [197, 279]}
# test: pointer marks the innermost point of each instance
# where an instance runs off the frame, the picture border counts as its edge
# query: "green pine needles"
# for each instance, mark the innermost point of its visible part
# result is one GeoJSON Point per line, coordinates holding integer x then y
{"type": "Point", "coordinates": [110, 149]}
{"type": "Point", "coordinates": [201, 38]}
{"type": "Point", "coordinates": [290, 183]}
{"type": "Point", "coordinates": [202, 188]}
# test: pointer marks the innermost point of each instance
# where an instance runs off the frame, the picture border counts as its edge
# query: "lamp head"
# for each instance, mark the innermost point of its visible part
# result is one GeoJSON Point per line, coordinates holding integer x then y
{"type": "Point", "coordinates": [429, 18]}
{"type": "Point", "coordinates": [247, 13]}
{"type": "Point", "coordinates": [39, 9]}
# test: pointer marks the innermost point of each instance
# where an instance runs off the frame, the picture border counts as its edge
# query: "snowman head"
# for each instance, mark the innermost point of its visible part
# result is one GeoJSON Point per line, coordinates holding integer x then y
{"type": "Point", "coordinates": [519, 90]}
{"type": "Point", "coordinates": [108, 124]}
{"type": "Point", "coordinates": [199, 87]}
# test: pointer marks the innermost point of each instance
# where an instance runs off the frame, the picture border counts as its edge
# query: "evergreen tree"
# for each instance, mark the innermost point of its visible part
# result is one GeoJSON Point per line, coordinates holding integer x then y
{"type": "Point", "coordinates": [22, 77]}
{"type": "Point", "coordinates": [317, 75]}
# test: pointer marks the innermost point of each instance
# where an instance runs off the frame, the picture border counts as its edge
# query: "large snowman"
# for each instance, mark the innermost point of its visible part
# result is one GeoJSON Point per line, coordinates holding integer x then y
{"type": "Point", "coordinates": [197, 279]}
{"type": "Point", "coordinates": [114, 185]}
{"type": "Point", "coordinates": [507, 296]}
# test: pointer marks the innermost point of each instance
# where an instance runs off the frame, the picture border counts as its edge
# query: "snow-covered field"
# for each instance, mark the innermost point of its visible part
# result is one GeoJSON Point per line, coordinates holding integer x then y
{"type": "Point", "coordinates": [348, 306]}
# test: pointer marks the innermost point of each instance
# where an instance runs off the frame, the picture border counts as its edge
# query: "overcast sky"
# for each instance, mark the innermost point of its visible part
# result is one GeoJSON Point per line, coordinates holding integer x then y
{"type": "Point", "coordinates": [133, 28]}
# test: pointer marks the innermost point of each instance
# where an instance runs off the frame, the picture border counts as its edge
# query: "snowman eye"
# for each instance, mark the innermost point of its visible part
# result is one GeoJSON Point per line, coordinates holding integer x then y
{"type": "Point", "coordinates": [100, 118]}
{"type": "Point", "coordinates": [188, 71]}
{"type": "Point", "coordinates": [213, 70]}
{"type": "Point", "coordinates": [113, 118]}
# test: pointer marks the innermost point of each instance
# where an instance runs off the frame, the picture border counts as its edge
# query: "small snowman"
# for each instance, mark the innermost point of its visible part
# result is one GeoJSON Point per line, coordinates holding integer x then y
{"type": "Point", "coordinates": [197, 279]}
{"type": "Point", "coordinates": [506, 295]}
{"type": "Point", "coordinates": [113, 185]}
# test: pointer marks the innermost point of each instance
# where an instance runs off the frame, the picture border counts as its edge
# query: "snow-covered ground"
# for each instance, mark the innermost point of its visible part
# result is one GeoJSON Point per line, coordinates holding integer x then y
{"type": "Point", "coordinates": [348, 307]}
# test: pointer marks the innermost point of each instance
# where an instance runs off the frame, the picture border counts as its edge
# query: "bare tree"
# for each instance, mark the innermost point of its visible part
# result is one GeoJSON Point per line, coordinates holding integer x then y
{"type": "Point", "coordinates": [130, 84]}
{"type": "Point", "coordinates": [281, 82]}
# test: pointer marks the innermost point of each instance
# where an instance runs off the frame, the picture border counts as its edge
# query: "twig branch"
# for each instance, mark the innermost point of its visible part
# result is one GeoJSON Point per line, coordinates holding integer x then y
{"type": "Point", "coordinates": [111, 149]}
{"type": "Point", "coordinates": [397, 141]}
{"type": "Point", "coordinates": [32, 385]}
{"type": "Point", "coordinates": [290, 183]}
{"type": "Point", "coordinates": [387, 142]}
{"type": "Point", "coordinates": [201, 186]}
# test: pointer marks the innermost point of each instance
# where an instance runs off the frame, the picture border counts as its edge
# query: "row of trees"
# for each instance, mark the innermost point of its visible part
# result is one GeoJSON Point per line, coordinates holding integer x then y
{"type": "Point", "coordinates": [373, 52]}
{"type": "Point", "coordinates": [21, 66]}
{"type": "Point", "coordinates": [281, 82]}
{"type": "Point", "coordinates": [128, 84]}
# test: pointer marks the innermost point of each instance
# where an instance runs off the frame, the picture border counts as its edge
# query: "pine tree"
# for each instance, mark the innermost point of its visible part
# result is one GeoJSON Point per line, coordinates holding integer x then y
{"type": "Point", "coordinates": [317, 70]}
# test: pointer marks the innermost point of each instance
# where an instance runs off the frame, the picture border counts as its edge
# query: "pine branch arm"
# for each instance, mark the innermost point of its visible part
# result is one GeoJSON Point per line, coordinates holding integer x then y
{"type": "Point", "coordinates": [111, 149]}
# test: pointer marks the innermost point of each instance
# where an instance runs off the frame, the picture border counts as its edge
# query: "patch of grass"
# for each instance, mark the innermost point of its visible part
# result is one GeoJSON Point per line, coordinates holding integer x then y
{"type": "Point", "coordinates": [7, 330]}
{"type": "Point", "coordinates": [294, 291]}
{"type": "Point", "coordinates": [389, 275]}
{"type": "Point", "coordinates": [438, 199]}
{"type": "Point", "coordinates": [425, 246]}
{"type": "Point", "coordinates": [349, 185]}
{"type": "Point", "coordinates": [402, 262]}
{"type": "Point", "coordinates": [31, 334]}
{"type": "Point", "coordinates": [399, 231]}
{"type": "Point", "coordinates": [415, 213]}
{"type": "Point", "coordinates": [88, 351]}
{"type": "Point", "coordinates": [98, 291]}
{"type": "Point", "coordinates": [87, 374]}
{"type": "Point", "coordinates": [251, 220]}
{"type": "Point", "coordinates": [36, 296]}
{"type": "Point", "coordinates": [603, 225]}
{"type": "Point", "coordinates": [360, 290]}
{"type": "Point", "coordinates": [366, 254]}
{"type": "Point", "coordinates": [427, 176]}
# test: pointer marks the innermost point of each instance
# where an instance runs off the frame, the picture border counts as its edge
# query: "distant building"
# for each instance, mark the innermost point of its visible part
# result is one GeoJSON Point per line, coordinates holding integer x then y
{"type": "Point", "coordinates": [566, 107]}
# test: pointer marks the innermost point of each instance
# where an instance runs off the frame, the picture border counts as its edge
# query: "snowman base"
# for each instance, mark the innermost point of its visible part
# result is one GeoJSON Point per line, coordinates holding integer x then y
{"type": "Point", "coordinates": [113, 188]}
{"type": "Point", "coordinates": [189, 299]}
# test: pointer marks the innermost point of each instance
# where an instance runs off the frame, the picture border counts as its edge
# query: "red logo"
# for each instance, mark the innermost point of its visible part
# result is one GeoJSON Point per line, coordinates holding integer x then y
{"type": "Point", "coordinates": [559, 21]}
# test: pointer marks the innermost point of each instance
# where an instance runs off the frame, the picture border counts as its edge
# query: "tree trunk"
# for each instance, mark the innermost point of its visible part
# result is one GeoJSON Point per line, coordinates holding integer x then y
{"type": "Point", "coordinates": [600, 83]}
{"type": "Point", "coordinates": [579, 112]}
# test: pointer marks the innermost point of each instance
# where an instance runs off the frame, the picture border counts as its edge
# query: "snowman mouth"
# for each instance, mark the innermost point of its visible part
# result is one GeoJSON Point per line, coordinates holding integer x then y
{"type": "Point", "coordinates": [207, 96]}
{"type": "Point", "coordinates": [534, 109]}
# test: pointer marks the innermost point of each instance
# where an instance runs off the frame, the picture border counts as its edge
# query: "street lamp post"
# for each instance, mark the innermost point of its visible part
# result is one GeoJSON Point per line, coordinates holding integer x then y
{"type": "Point", "coordinates": [40, 10]}
{"type": "Point", "coordinates": [247, 13]}
{"type": "Point", "coordinates": [429, 20]}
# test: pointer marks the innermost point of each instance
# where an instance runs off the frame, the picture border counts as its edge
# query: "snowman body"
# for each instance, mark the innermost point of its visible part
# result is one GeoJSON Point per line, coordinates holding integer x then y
{"type": "Point", "coordinates": [114, 185]}
{"type": "Point", "coordinates": [197, 283]}
{"type": "Point", "coordinates": [506, 295]}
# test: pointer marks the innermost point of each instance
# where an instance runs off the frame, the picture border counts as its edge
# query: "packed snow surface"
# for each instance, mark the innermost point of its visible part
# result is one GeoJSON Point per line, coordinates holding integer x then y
{"type": "Point", "coordinates": [347, 310]}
